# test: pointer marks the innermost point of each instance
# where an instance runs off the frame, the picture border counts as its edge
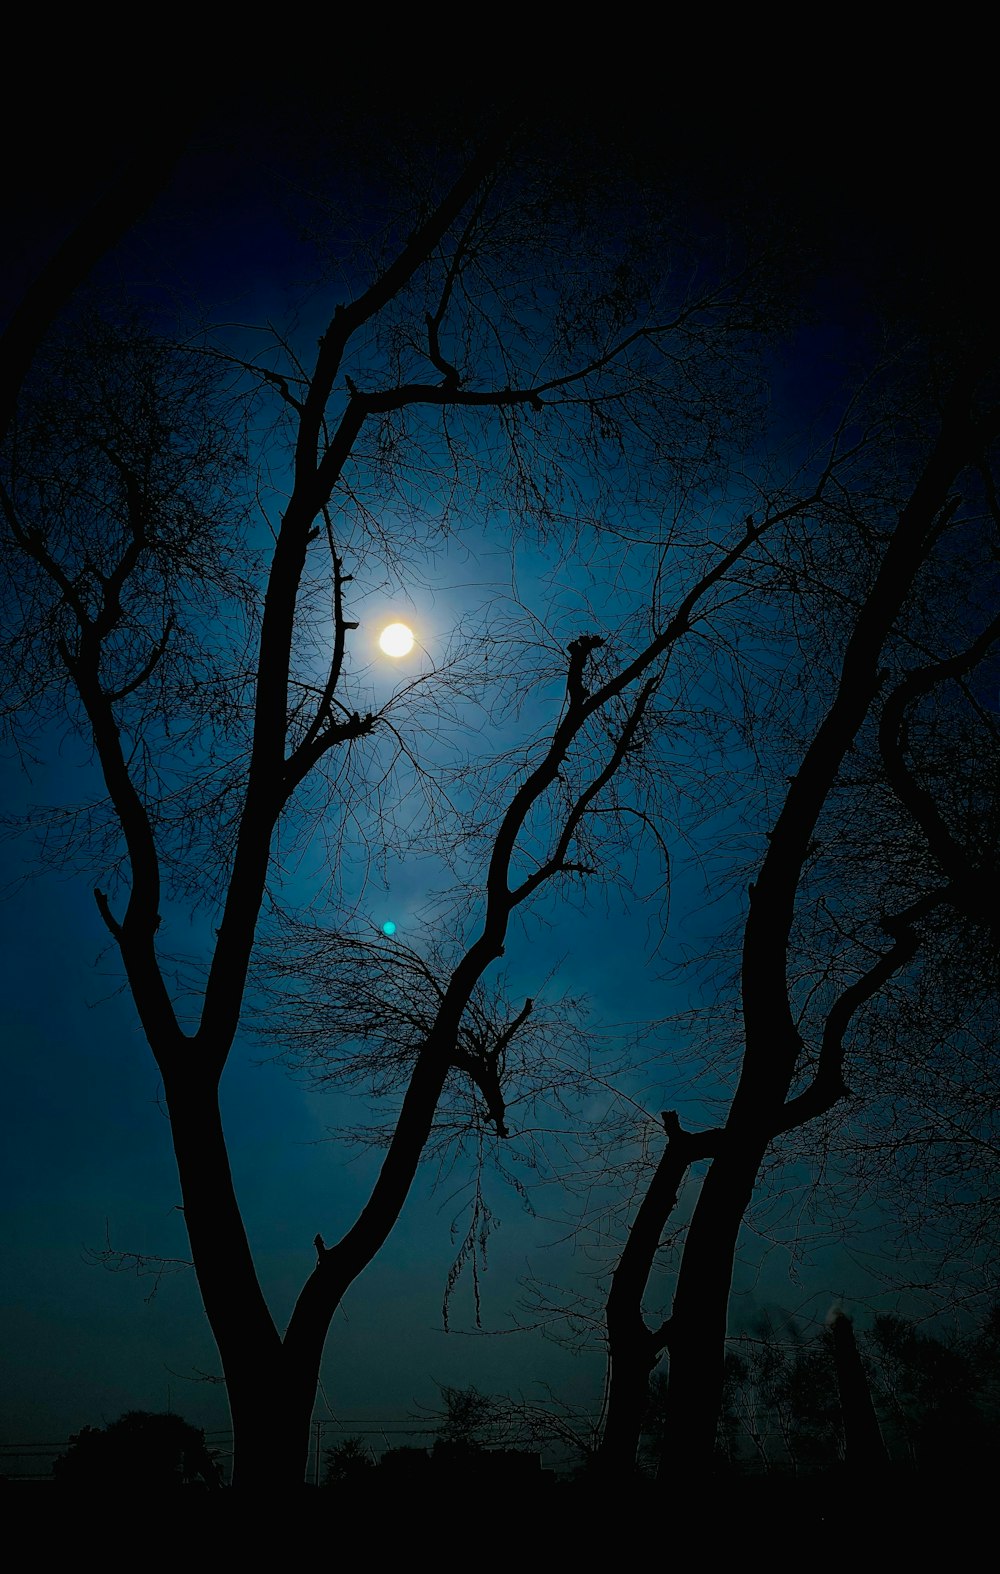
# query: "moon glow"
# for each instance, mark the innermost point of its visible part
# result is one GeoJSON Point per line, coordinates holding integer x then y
{"type": "Point", "coordinates": [396, 639]}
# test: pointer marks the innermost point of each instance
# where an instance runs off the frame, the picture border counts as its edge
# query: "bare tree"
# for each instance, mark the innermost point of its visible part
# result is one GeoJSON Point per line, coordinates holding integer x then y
{"type": "Point", "coordinates": [207, 660]}
{"type": "Point", "coordinates": [846, 903]}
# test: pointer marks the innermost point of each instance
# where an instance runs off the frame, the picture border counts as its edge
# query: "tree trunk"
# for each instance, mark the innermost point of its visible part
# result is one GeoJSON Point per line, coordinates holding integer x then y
{"type": "Point", "coordinates": [633, 1349]}
{"type": "Point", "coordinates": [270, 1405]}
{"type": "Point", "coordinates": [632, 1360]}
{"type": "Point", "coordinates": [864, 1447]}
{"type": "Point", "coordinates": [272, 1381]}
{"type": "Point", "coordinates": [271, 1421]}
{"type": "Point", "coordinates": [697, 1330]}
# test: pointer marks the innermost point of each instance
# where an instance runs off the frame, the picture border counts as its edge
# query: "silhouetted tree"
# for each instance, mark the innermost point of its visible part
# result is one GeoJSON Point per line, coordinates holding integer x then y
{"type": "Point", "coordinates": [348, 1463]}
{"type": "Point", "coordinates": [525, 331]}
{"type": "Point", "coordinates": [780, 1407]}
{"type": "Point", "coordinates": [824, 940]}
{"type": "Point", "coordinates": [138, 1452]}
{"type": "Point", "coordinates": [864, 1448]}
{"type": "Point", "coordinates": [207, 663]}
{"type": "Point", "coordinates": [470, 1417]}
{"type": "Point", "coordinates": [934, 1393]}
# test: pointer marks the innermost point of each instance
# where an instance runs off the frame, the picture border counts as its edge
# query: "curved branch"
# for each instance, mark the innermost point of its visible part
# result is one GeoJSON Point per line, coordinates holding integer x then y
{"type": "Point", "coordinates": [828, 1085]}
{"type": "Point", "coordinates": [347, 319]}
{"type": "Point", "coordinates": [971, 887]}
{"type": "Point", "coordinates": [772, 1041]}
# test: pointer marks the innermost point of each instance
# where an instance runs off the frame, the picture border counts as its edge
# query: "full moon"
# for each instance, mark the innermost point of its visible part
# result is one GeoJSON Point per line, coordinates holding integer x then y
{"type": "Point", "coordinates": [396, 639]}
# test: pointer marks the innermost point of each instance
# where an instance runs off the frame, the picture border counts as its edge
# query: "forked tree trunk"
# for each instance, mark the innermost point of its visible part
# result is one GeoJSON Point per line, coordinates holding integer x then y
{"type": "Point", "coordinates": [270, 1405]}
{"type": "Point", "coordinates": [272, 1382]}
{"type": "Point", "coordinates": [634, 1349]}
{"type": "Point", "coordinates": [697, 1328]}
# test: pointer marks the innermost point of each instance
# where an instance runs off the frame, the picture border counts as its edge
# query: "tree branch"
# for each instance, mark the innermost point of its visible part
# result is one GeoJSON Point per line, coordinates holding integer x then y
{"type": "Point", "coordinates": [971, 887]}
{"type": "Point", "coordinates": [772, 1042]}
{"type": "Point", "coordinates": [828, 1086]}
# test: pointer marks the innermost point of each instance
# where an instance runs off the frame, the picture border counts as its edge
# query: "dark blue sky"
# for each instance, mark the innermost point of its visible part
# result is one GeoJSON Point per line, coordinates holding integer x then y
{"type": "Point", "coordinates": [86, 1144]}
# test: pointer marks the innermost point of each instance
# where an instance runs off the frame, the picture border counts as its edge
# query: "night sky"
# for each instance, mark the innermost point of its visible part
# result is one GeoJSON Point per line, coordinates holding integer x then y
{"type": "Point", "coordinates": [86, 1150]}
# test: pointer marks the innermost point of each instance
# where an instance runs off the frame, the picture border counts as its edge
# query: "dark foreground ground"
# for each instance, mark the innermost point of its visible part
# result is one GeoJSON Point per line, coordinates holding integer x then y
{"type": "Point", "coordinates": [812, 1522]}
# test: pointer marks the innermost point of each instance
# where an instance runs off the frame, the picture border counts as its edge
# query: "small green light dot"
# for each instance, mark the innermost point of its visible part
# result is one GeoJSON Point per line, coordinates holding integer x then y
{"type": "Point", "coordinates": [388, 928]}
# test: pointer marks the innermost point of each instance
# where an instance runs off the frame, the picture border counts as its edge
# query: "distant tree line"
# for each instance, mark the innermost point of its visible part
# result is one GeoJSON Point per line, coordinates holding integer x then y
{"type": "Point", "coordinates": [937, 1398]}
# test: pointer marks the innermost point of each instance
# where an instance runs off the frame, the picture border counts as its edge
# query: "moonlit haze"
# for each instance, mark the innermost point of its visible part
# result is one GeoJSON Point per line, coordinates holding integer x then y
{"type": "Point", "coordinates": [694, 744]}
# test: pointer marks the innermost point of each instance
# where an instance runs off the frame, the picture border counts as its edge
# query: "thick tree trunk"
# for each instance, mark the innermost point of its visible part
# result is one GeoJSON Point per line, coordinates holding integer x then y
{"type": "Point", "coordinates": [272, 1382]}
{"type": "Point", "coordinates": [697, 1329]}
{"type": "Point", "coordinates": [270, 1413]}
{"type": "Point", "coordinates": [271, 1421]}
{"type": "Point", "coordinates": [628, 1399]}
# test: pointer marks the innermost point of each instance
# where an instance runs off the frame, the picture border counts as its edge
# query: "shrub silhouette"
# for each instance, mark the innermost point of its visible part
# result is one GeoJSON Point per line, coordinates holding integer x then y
{"type": "Point", "coordinates": [141, 1451]}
